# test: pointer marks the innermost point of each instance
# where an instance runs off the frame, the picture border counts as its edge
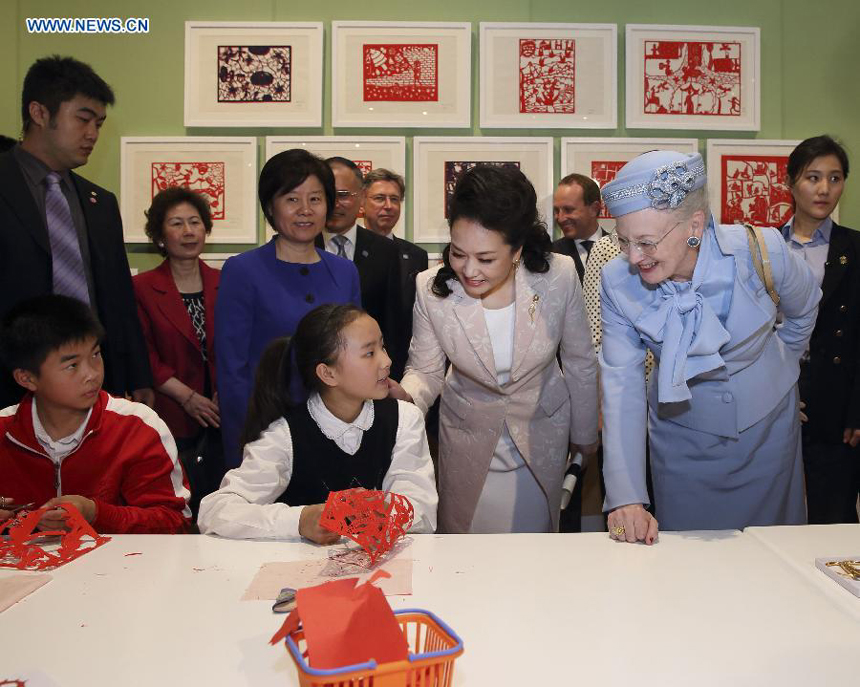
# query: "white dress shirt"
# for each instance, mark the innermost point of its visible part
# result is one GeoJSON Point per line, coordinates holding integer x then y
{"type": "Point", "coordinates": [244, 507]}
{"type": "Point", "coordinates": [594, 238]}
{"type": "Point", "coordinates": [348, 247]}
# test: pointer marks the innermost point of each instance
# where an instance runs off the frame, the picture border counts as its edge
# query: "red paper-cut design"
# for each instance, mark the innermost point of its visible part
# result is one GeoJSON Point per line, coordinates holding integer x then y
{"type": "Point", "coordinates": [13, 683]}
{"type": "Point", "coordinates": [401, 72]}
{"type": "Point", "coordinates": [454, 169]}
{"type": "Point", "coordinates": [206, 178]}
{"type": "Point", "coordinates": [604, 171]}
{"type": "Point", "coordinates": [692, 78]}
{"type": "Point", "coordinates": [373, 519]}
{"type": "Point", "coordinates": [754, 189]}
{"type": "Point", "coordinates": [547, 75]}
{"type": "Point", "coordinates": [364, 166]}
{"type": "Point", "coordinates": [23, 547]}
{"type": "Point", "coordinates": [254, 73]}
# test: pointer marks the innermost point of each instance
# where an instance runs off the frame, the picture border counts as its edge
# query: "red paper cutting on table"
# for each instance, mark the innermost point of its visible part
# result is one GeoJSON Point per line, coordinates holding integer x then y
{"type": "Point", "coordinates": [345, 624]}
{"type": "Point", "coordinates": [23, 548]}
{"type": "Point", "coordinates": [373, 519]}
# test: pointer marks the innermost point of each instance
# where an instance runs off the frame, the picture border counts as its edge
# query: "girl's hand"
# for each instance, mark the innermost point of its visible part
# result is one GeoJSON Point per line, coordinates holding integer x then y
{"type": "Point", "coordinates": [398, 392]}
{"type": "Point", "coordinates": [309, 526]}
{"type": "Point", "coordinates": [632, 523]}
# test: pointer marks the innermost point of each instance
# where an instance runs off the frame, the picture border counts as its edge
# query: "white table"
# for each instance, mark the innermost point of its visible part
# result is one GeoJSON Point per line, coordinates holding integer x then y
{"type": "Point", "coordinates": [716, 608]}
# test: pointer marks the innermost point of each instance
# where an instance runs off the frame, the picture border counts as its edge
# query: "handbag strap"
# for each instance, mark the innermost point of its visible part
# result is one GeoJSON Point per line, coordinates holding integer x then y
{"type": "Point", "coordinates": [761, 260]}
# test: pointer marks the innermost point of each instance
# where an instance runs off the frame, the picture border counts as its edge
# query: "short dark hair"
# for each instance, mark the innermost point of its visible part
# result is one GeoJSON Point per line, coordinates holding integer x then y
{"type": "Point", "coordinates": [349, 164]}
{"type": "Point", "coordinates": [53, 80]}
{"type": "Point", "coordinates": [806, 151]}
{"type": "Point", "coordinates": [288, 169]}
{"type": "Point", "coordinates": [501, 199]}
{"type": "Point", "coordinates": [6, 143]}
{"type": "Point", "coordinates": [164, 202]}
{"type": "Point", "coordinates": [318, 339]}
{"type": "Point", "coordinates": [382, 174]}
{"type": "Point", "coordinates": [590, 189]}
{"type": "Point", "coordinates": [37, 327]}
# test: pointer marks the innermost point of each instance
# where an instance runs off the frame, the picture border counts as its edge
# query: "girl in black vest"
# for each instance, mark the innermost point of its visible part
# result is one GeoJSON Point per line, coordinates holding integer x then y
{"type": "Point", "coordinates": [347, 434]}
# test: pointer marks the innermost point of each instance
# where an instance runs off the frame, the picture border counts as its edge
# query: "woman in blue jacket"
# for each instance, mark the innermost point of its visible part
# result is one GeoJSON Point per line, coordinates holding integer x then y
{"type": "Point", "coordinates": [721, 408]}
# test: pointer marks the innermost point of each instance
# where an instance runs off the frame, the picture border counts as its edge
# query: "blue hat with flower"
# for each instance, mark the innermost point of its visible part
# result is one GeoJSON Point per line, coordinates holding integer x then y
{"type": "Point", "coordinates": [660, 179]}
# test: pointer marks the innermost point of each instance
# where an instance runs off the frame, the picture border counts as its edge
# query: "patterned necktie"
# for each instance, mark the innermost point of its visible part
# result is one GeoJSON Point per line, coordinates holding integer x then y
{"type": "Point", "coordinates": [340, 242]}
{"type": "Point", "coordinates": [68, 266]}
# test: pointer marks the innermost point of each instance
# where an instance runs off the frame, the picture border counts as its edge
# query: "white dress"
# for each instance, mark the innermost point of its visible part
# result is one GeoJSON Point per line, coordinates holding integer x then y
{"type": "Point", "coordinates": [511, 500]}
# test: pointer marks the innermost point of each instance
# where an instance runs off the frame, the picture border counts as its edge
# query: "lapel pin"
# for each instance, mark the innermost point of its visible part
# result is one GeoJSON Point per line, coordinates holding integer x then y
{"type": "Point", "coordinates": [843, 260]}
{"type": "Point", "coordinates": [364, 253]}
{"type": "Point", "coordinates": [533, 307]}
{"type": "Point", "coordinates": [93, 200]}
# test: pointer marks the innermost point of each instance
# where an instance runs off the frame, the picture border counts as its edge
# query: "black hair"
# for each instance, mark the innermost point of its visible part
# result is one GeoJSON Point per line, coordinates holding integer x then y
{"type": "Point", "coordinates": [318, 339]}
{"type": "Point", "coordinates": [288, 169]}
{"type": "Point", "coordinates": [806, 151]}
{"type": "Point", "coordinates": [37, 327]}
{"type": "Point", "coordinates": [54, 80]}
{"type": "Point", "coordinates": [501, 199]}
{"type": "Point", "coordinates": [164, 202]}
{"type": "Point", "coordinates": [6, 143]}
{"type": "Point", "coordinates": [349, 164]}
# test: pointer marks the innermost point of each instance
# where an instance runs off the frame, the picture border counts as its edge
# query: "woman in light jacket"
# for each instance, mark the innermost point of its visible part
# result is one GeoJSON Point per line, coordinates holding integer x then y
{"type": "Point", "coordinates": [504, 311]}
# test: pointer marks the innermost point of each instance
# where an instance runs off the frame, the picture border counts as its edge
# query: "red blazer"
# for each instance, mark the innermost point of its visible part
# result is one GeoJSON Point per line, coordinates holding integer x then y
{"type": "Point", "coordinates": [174, 350]}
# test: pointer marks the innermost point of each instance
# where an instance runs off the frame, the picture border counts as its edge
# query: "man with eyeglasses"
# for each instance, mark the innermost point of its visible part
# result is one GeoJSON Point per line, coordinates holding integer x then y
{"type": "Point", "coordinates": [375, 257]}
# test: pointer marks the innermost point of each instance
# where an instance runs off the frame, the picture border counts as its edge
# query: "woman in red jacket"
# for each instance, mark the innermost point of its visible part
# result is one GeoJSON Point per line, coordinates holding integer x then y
{"type": "Point", "coordinates": [176, 305]}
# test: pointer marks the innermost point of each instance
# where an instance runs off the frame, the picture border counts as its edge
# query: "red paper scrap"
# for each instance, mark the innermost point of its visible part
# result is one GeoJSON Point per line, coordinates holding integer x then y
{"type": "Point", "coordinates": [373, 519]}
{"type": "Point", "coordinates": [23, 548]}
{"type": "Point", "coordinates": [345, 624]}
{"type": "Point", "coordinates": [135, 553]}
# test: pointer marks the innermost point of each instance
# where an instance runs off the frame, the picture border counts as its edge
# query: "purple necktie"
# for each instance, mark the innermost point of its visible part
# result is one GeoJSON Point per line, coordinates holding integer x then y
{"type": "Point", "coordinates": [69, 277]}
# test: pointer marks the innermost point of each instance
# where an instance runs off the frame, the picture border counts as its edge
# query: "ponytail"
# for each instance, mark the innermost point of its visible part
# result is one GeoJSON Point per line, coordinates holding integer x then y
{"type": "Point", "coordinates": [270, 398]}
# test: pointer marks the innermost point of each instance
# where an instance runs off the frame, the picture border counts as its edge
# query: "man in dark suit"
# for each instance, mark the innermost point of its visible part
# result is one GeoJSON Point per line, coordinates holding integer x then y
{"type": "Point", "coordinates": [383, 194]}
{"type": "Point", "coordinates": [60, 233]}
{"type": "Point", "coordinates": [575, 208]}
{"type": "Point", "coordinates": [375, 257]}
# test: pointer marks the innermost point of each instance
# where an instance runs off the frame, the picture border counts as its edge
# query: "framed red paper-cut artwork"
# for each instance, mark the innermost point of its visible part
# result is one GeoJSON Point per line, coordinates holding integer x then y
{"type": "Point", "coordinates": [748, 181]}
{"type": "Point", "coordinates": [221, 169]}
{"type": "Point", "coordinates": [393, 74]}
{"type": "Point", "coordinates": [693, 77]}
{"type": "Point", "coordinates": [438, 163]}
{"type": "Point", "coordinates": [253, 73]}
{"type": "Point", "coordinates": [548, 75]}
{"type": "Point", "coordinates": [367, 152]}
{"type": "Point", "coordinates": [601, 158]}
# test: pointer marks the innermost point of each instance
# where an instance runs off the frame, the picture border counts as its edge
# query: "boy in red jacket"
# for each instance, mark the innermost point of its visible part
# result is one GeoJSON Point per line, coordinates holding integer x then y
{"type": "Point", "coordinates": [69, 441]}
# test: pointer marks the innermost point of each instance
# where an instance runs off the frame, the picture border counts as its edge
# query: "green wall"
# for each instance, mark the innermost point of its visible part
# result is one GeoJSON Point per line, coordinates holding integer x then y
{"type": "Point", "coordinates": [809, 52]}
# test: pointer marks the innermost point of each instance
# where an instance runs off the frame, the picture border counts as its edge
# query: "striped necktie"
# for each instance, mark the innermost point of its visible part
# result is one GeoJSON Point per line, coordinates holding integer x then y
{"type": "Point", "coordinates": [340, 241]}
{"type": "Point", "coordinates": [68, 265]}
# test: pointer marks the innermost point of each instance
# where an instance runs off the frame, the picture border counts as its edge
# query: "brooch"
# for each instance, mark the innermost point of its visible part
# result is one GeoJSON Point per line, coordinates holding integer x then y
{"type": "Point", "coordinates": [533, 307]}
{"type": "Point", "coordinates": [843, 259]}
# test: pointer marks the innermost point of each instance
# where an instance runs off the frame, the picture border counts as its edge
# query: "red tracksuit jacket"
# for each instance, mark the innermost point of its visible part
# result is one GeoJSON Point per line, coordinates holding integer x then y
{"type": "Point", "coordinates": [126, 463]}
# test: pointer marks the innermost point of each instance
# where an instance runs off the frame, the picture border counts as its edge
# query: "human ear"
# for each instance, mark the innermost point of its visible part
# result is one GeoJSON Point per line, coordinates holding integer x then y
{"type": "Point", "coordinates": [25, 378]}
{"type": "Point", "coordinates": [326, 374]}
{"type": "Point", "coordinates": [38, 114]}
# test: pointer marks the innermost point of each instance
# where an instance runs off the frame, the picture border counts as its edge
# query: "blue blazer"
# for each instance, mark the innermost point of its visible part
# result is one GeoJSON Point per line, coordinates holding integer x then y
{"type": "Point", "coordinates": [727, 370]}
{"type": "Point", "coordinates": [261, 298]}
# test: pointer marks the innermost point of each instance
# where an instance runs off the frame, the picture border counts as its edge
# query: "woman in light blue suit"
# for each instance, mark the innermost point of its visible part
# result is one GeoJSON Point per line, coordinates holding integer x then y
{"type": "Point", "coordinates": [721, 408]}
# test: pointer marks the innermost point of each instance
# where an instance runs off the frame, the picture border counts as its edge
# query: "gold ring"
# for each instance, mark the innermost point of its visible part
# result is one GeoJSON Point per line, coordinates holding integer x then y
{"type": "Point", "coordinates": [618, 531]}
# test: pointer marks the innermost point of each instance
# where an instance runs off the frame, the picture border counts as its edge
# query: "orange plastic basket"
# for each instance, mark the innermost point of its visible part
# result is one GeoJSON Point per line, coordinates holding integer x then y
{"type": "Point", "coordinates": [433, 646]}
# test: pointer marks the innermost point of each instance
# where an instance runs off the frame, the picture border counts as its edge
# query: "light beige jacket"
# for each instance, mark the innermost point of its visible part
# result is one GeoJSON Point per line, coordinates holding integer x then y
{"type": "Point", "coordinates": [543, 408]}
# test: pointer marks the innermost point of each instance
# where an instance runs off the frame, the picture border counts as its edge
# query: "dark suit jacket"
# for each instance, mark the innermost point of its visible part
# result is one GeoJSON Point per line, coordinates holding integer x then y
{"type": "Point", "coordinates": [567, 246]}
{"type": "Point", "coordinates": [25, 272]}
{"type": "Point", "coordinates": [830, 380]}
{"type": "Point", "coordinates": [174, 349]}
{"type": "Point", "coordinates": [379, 276]}
{"type": "Point", "coordinates": [413, 260]}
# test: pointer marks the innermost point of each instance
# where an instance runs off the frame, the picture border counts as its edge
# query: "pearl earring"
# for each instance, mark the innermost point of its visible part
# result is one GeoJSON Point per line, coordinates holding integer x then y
{"type": "Point", "coordinates": [693, 242]}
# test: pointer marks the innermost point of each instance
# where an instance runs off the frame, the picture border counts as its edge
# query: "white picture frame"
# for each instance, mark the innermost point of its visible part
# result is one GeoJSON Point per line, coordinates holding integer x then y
{"type": "Point", "coordinates": [748, 181]}
{"type": "Point", "coordinates": [667, 86]}
{"type": "Point", "coordinates": [434, 170]}
{"type": "Point", "coordinates": [380, 151]}
{"type": "Point", "coordinates": [601, 158]}
{"type": "Point", "coordinates": [372, 86]}
{"type": "Point", "coordinates": [216, 260]}
{"type": "Point", "coordinates": [224, 168]}
{"type": "Point", "coordinates": [246, 74]}
{"type": "Point", "coordinates": [553, 76]}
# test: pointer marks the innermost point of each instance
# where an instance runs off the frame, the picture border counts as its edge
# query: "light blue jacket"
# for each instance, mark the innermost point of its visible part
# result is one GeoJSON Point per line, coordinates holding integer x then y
{"type": "Point", "coordinates": [723, 362]}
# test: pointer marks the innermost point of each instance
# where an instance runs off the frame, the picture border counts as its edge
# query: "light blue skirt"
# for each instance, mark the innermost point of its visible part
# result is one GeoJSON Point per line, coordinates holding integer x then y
{"type": "Point", "coordinates": [707, 482]}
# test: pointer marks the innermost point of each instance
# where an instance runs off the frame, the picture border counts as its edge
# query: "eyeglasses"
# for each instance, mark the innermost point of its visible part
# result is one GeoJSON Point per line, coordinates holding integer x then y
{"type": "Point", "coordinates": [644, 247]}
{"type": "Point", "coordinates": [344, 195]}
{"type": "Point", "coordinates": [380, 199]}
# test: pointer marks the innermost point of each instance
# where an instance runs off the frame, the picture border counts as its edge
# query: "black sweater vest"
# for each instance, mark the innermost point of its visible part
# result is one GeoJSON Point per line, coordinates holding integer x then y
{"type": "Point", "coordinates": [320, 466]}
